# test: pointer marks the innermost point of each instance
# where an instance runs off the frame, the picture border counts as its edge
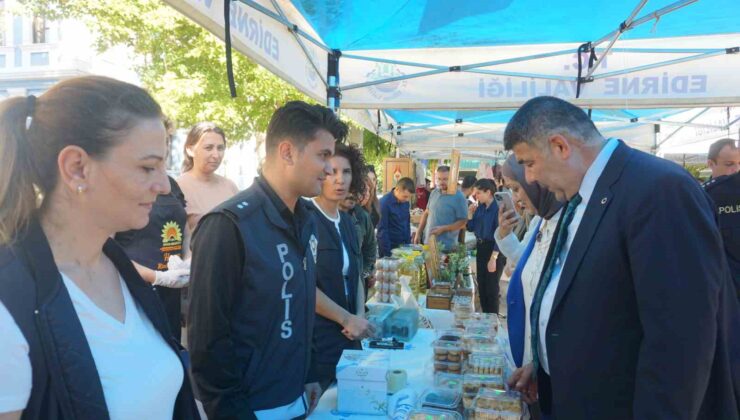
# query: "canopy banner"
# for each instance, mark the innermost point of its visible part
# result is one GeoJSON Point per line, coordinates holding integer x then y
{"type": "Point", "coordinates": [703, 127]}
{"type": "Point", "coordinates": [266, 40]}
{"type": "Point", "coordinates": [667, 72]}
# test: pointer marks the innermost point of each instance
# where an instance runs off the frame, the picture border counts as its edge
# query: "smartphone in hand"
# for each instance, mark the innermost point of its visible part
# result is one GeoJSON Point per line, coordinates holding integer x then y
{"type": "Point", "coordinates": [505, 201]}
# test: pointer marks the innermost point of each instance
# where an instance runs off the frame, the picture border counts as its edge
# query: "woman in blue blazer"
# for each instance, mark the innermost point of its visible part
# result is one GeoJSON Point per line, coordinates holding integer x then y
{"type": "Point", "coordinates": [531, 253]}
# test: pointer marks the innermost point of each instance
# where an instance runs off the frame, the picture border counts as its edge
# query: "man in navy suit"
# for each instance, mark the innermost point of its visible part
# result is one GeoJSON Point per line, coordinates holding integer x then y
{"type": "Point", "coordinates": [635, 315]}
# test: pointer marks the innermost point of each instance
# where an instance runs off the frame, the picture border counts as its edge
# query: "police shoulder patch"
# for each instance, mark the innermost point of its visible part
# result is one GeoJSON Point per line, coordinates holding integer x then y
{"type": "Point", "coordinates": [241, 205]}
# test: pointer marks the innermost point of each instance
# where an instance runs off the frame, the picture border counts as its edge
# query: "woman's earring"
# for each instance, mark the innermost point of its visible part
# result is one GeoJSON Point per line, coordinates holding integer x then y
{"type": "Point", "coordinates": [80, 189]}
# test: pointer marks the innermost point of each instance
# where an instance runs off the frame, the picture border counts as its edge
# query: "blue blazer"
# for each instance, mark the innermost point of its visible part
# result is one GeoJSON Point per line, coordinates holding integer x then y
{"type": "Point", "coordinates": [515, 306]}
{"type": "Point", "coordinates": [645, 319]}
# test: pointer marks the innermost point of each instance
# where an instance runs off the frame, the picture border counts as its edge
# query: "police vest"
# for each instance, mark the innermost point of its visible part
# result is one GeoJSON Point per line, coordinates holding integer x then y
{"type": "Point", "coordinates": [328, 340]}
{"type": "Point", "coordinates": [274, 314]}
{"type": "Point", "coordinates": [725, 193]}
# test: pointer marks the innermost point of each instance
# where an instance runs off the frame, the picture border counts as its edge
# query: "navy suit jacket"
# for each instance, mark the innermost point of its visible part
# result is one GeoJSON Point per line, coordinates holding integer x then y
{"type": "Point", "coordinates": [644, 323]}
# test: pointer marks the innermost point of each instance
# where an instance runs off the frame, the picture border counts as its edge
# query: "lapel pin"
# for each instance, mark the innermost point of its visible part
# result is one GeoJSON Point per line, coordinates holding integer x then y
{"type": "Point", "coordinates": [603, 200]}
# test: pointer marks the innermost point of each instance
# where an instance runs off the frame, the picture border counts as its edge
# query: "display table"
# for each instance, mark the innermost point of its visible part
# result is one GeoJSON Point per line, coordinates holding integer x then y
{"type": "Point", "coordinates": [416, 359]}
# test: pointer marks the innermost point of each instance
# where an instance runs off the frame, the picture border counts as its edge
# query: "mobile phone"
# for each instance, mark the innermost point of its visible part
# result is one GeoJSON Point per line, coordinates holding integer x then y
{"type": "Point", "coordinates": [506, 202]}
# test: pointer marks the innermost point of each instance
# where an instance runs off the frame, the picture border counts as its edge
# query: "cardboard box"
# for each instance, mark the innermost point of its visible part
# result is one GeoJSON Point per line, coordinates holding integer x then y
{"type": "Point", "coordinates": [437, 299]}
{"type": "Point", "coordinates": [361, 382]}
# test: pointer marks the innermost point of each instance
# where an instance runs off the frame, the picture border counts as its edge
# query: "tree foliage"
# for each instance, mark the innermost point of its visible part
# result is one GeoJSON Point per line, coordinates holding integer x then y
{"type": "Point", "coordinates": [184, 66]}
{"type": "Point", "coordinates": [179, 62]}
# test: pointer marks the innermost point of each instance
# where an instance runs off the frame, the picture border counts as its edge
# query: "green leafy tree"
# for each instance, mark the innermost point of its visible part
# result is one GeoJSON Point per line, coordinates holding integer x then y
{"type": "Point", "coordinates": [179, 62]}
{"type": "Point", "coordinates": [695, 170]}
{"type": "Point", "coordinates": [375, 149]}
{"type": "Point", "coordinates": [184, 66]}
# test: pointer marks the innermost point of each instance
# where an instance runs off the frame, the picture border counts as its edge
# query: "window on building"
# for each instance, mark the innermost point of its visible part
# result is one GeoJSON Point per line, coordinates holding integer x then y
{"type": "Point", "coordinates": [40, 30]}
{"type": "Point", "coordinates": [3, 28]}
{"type": "Point", "coordinates": [40, 59]}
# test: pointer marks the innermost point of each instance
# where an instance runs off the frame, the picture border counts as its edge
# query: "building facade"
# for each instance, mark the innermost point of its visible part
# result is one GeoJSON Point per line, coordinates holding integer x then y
{"type": "Point", "coordinates": [36, 53]}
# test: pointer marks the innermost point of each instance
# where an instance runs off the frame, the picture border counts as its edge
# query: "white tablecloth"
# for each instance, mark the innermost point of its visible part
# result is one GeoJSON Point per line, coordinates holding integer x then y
{"type": "Point", "coordinates": [416, 359]}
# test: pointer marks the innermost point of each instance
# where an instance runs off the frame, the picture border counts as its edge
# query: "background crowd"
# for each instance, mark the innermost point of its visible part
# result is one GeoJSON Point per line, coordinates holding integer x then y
{"type": "Point", "coordinates": [611, 313]}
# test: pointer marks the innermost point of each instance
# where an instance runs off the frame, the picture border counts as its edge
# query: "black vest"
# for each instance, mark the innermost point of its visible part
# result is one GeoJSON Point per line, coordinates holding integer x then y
{"type": "Point", "coordinates": [328, 340]}
{"type": "Point", "coordinates": [273, 317]}
{"type": "Point", "coordinates": [725, 193]}
{"type": "Point", "coordinates": [66, 383]}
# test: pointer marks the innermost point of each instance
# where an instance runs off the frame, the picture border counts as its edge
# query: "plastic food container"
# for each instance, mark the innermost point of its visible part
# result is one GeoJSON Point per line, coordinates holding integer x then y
{"type": "Point", "coordinates": [475, 342]}
{"type": "Point", "coordinates": [486, 363]}
{"type": "Point", "coordinates": [472, 383]}
{"type": "Point", "coordinates": [377, 315]}
{"type": "Point", "coordinates": [450, 335]}
{"type": "Point", "coordinates": [447, 351]}
{"type": "Point", "coordinates": [433, 414]}
{"type": "Point", "coordinates": [483, 414]}
{"type": "Point", "coordinates": [446, 380]}
{"type": "Point", "coordinates": [445, 399]}
{"type": "Point", "coordinates": [402, 324]}
{"type": "Point", "coordinates": [499, 401]}
{"type": "Point", "coordinates": [468, 400]}
{"type": "Point", "coordinates": [451, 367]}
{"type": "Point", "coordinates": [479, 327]}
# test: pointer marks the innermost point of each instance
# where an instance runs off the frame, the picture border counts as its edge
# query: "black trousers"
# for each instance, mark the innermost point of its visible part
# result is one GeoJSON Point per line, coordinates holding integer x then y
{"type": "Point", "coordinates": [488, 288]}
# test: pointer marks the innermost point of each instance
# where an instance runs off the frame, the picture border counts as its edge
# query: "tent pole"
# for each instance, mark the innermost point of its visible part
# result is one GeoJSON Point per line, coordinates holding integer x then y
{"type": "Point", "coordinates": [293, 31]}
{"type": "Point", "coordinates": [680, 128]}
{"type": "Point", "coordinates": [333, 94]}
{"type": "Point", "coordinates": [731, 123]}
{"type": "Point", "coordinates": [666, 63]}
{"type": "Point", "coordinates": [656, 131]}
{"type": "Point", "coordinates": [624, 26]}
{"type": "Point", "coordinates": [647, 18]}
{"type": "Point", "coordinates": [728, 121]}
{"type": "Point", "coordinates": [287, 23]}
{"type": "Point", "coordinates": [400, 63]}
{"type": "Point", "coordinates": [659, 50]}
{"type": "Point", "coordinates": [446, 70]}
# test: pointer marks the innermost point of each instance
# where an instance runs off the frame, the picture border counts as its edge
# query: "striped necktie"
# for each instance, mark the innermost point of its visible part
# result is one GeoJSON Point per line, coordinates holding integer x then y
{"type": "Point", "coordinates": [554, 260]}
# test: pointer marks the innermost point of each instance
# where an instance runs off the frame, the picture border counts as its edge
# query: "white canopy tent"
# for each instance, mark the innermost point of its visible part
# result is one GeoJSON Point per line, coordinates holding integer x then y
{"type": "Point", "coordinates": [431, 75]}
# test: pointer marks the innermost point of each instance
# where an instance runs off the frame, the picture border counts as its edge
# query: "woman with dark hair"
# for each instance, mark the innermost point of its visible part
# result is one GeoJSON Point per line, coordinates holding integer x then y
{"type": "Point", "coordinates": [340, 300]}
{"type": "Point", "coordinates": [204, 189]}
{"type": "Point", "coordinates": [78, 164]}
{"type": "Point", "coordinates": [483, 222]}
{"type": "Point", "coordinates": [529, 254]}
{"type": "Point", "coordinates": [370, 200]}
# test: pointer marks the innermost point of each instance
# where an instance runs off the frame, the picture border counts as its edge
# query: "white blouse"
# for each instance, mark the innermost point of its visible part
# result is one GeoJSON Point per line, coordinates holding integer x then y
{"type": "Point", "coordinates": [140, 373]}
{"type": "Point", "coordinates": [531, 275]}
{"type": "Point", "coordinates": [15, 364]}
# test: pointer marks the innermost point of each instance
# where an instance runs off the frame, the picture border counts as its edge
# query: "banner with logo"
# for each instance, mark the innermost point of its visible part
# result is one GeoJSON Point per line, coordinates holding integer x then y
{"type": "Point", "coordinates": [265, 40]}
{"type": "Point", "coordinates": [713, 81]}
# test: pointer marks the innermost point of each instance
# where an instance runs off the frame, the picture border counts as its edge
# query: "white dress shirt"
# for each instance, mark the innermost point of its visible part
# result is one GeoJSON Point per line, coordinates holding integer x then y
{"type": "Point", "coordinates": [531, 274]}
{"type": "Point", "coordinates": [587, 188]}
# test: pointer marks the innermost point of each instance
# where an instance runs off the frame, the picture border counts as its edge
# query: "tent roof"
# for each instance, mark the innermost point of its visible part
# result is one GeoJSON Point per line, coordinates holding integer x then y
{"type": "Point", "coordinates": [434, 74]}
{"type": "Point", "coordinates": [391, 24]}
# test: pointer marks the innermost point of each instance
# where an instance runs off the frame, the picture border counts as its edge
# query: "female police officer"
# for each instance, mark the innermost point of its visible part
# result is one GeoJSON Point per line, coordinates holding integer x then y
{"type": "Point", "coordinates": [339, 266]}
{"type": "Point", "coordinates": [253, 280]}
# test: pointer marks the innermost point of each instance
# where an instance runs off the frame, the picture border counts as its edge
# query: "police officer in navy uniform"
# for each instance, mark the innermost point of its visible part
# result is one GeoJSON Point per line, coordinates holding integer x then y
{"type": "Point", "coordinates": [151, 248]}
{"type": "Point", "coordinates": [725, 192]}
{"type": "Point", "coordinates": [253, 279]}
{"type": "Point", "coordinates": [723, 159]}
